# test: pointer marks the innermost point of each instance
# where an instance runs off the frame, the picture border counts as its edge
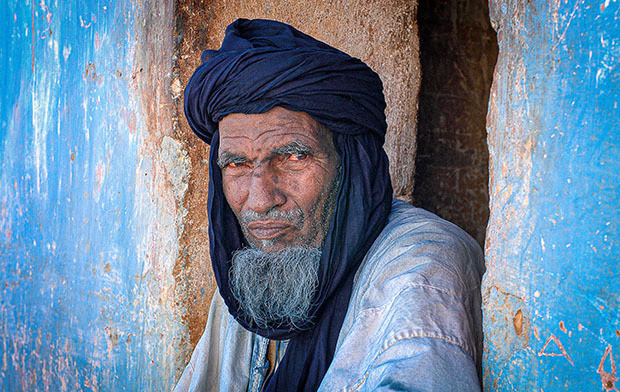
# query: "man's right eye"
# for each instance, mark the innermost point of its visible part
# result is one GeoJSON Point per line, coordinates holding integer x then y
{"type": "Point", "coordinates": [237, 168]}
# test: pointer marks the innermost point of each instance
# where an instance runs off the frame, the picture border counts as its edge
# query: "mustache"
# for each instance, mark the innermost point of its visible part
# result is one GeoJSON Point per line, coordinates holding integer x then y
{"type": "Point", "coordinates": [295, 216]}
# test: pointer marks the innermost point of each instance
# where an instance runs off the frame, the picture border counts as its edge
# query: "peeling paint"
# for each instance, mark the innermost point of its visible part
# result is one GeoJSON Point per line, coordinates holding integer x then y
{"type": "Point", "coordinates": [558, 346]}
{"type": "Point", "coordinates": [608, 379]}
{"type": "Point", "coordinates": [551, 245]}
{"type": "Point", "coordinates": [177, 164]}
{"type": "Point", "coordinates": [90, 219]}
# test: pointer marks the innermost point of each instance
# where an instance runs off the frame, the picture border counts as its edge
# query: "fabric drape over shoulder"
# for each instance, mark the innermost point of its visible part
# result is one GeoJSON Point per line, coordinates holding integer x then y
{"type": "Point", "coordinates": [262, 64]}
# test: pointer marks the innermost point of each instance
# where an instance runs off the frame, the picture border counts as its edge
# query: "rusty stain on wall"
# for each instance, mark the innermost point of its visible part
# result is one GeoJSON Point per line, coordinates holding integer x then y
{"type": "Point", "coordinates": [517, 322]}
{"type": "Point", "coordinates": [194, 281]}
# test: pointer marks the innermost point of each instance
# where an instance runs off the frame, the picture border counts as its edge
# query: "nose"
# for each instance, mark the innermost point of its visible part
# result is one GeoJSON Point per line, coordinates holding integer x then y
{"type": "Point", "coordinates": [264, 192]}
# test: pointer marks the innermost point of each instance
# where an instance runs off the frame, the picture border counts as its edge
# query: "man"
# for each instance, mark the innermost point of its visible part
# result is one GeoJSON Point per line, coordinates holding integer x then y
{"type": "Point", "coordinates": [324, 282]}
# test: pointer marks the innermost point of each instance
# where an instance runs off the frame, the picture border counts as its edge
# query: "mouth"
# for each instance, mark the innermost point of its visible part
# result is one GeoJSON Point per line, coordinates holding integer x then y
{"type": "Point", "coordinates": [267, 230]}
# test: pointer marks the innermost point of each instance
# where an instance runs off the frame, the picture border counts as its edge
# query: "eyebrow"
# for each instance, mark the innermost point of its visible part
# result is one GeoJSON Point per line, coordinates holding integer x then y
{"type": "Point", "coordinates": [227, 157]}
{"type": "Point", "coordinates": [292, 148]}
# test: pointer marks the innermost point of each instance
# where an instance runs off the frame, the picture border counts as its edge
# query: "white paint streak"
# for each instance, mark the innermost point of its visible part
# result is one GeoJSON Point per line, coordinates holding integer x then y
{"type": "Point", "coordinates": [560, 38]}
{"type": "Point", "coordinates": [40, 120]}
{"type": "Point", "coordinates": [100, 171]}
{"type": "Point", "coordinates": [66, 51]}
{"type": "Point", "coordinates": [177, 164]}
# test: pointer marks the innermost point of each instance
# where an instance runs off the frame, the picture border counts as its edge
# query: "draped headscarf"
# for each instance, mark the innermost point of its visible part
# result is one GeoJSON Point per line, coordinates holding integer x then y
{"type": "Point", "coordinates": [262, 64]}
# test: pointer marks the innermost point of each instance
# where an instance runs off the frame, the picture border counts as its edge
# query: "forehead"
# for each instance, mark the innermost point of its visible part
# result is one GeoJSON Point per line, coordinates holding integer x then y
{"type": "Point", "coordinates": [274, 127]}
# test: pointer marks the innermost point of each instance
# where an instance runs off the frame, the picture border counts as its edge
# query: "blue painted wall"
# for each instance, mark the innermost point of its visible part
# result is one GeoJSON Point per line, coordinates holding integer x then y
{"type": "Point", "coordinates": [88, 216]}
{"type": "Point", "coordinates": [552, 290]}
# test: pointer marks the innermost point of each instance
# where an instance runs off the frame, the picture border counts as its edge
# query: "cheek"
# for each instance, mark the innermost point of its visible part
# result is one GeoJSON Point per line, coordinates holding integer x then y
{"type": "Point", "coordinates": [291, 184]}
{"type": "Point", "coordinates": [307, 190]}
{"type": "Point", "coordinates": [233, 191]}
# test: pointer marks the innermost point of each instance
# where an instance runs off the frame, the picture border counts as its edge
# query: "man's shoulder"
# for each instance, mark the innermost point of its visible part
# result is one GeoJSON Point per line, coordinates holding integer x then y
{"type": "Point", "coordinates": [421, 278]}
{"type": "Point", "coordinates": [406, 221]}
{"type": "Point", "coordinates": [414, 239]}
{"type": "Point", "coordinates": [415, 301]}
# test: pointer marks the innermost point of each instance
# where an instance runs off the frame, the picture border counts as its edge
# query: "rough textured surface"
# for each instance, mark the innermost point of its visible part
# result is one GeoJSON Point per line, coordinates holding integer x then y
{"type": "Point", "coordinates": [384, 34]}
{"type": "Point", "coordinates": [193, 274]}
{"type": "Point", "coordinates": [458, 50]}
{"type": "Point", "coordinates": [91, 189]}
{"type": "Point", "coordinates": [552, 289]}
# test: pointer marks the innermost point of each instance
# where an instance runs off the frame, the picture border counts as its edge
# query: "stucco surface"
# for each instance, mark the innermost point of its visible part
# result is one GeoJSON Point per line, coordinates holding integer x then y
{"type": "Point", "coordinates": [91, 184]}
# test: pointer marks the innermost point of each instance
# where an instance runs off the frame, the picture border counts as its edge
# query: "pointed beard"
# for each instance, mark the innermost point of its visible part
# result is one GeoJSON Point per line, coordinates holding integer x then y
{"type": "Point", "coordinates": [275, 289]}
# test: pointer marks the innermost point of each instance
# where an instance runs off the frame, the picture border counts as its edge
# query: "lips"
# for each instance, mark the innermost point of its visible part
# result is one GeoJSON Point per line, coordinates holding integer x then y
{"type": "Point", "coordinates": [268, 230]}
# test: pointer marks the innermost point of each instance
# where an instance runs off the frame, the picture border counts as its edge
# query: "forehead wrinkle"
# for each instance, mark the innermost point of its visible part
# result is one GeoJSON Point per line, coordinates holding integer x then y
{"type": "Point", "coordinates": [280, 140]}
{"type": "Point", "coordinates": [293, 126]}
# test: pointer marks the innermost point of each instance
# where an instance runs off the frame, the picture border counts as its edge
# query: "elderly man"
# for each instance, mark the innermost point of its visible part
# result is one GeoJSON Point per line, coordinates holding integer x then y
{"type": "Point", "coordinates": [324, 282]}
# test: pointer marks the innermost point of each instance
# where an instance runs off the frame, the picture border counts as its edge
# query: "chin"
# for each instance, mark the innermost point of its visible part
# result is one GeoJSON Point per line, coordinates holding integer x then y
{"type": "Point", "coordinates": [275, 245]}
{"type": "Point", "coordinates": [268, 246]}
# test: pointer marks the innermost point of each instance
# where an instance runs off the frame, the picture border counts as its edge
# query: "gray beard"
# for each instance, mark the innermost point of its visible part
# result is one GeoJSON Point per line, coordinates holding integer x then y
{"type": "Point", "coordinates": [275, 289]}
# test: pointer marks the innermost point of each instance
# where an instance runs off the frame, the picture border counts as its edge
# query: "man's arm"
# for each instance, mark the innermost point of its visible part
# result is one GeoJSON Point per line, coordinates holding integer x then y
{"type": "Point", "coordinates": [422, 364]}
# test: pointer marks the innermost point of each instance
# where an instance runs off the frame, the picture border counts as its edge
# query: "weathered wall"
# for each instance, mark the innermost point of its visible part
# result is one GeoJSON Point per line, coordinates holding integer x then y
{"type": "Point", "coordinates": [458, 50]}
{"type": "Point", "coordinates": [382, 33]}
{"type": "Point", "coordinates": [91, 189]}
{"type": "Point", "coordinates": [552, 289]}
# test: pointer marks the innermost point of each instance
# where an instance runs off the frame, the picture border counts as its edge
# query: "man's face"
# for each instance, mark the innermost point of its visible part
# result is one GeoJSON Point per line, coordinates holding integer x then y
{"type": "Point", "coordinates": [279, 172]}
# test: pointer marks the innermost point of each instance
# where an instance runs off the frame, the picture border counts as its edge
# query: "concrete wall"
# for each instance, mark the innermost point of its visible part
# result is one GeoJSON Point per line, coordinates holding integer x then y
{"type": "Point", "coordinates": [552, 289]}
{"type": "Point", "coordinates": [90, 183]}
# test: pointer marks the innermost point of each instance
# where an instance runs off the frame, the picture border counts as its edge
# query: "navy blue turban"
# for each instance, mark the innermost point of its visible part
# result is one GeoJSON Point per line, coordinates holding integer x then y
{"type": "Point", "coordinates": [262, 64]}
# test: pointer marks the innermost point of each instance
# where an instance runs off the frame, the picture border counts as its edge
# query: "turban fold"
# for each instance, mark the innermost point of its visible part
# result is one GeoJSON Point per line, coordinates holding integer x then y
{"type": "Point", "coordinates": [262, 64]}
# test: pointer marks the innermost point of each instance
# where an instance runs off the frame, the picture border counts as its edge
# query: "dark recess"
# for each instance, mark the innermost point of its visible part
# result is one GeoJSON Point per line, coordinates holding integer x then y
{"type": "Point", "coordinates": [458, 51]}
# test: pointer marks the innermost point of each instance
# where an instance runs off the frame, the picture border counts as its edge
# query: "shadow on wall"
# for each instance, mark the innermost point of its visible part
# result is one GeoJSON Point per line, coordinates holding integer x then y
{"type": "Point", "coordinates": [458, 51]}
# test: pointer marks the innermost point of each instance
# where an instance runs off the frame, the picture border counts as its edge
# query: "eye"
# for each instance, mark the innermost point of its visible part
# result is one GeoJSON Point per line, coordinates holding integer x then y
{"type": "Point", "coordinates": [295, 161]}
{"type": "Point", "coordinates": [297, 157]}
{"type": "Point", "coordinates": [237, 168]}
